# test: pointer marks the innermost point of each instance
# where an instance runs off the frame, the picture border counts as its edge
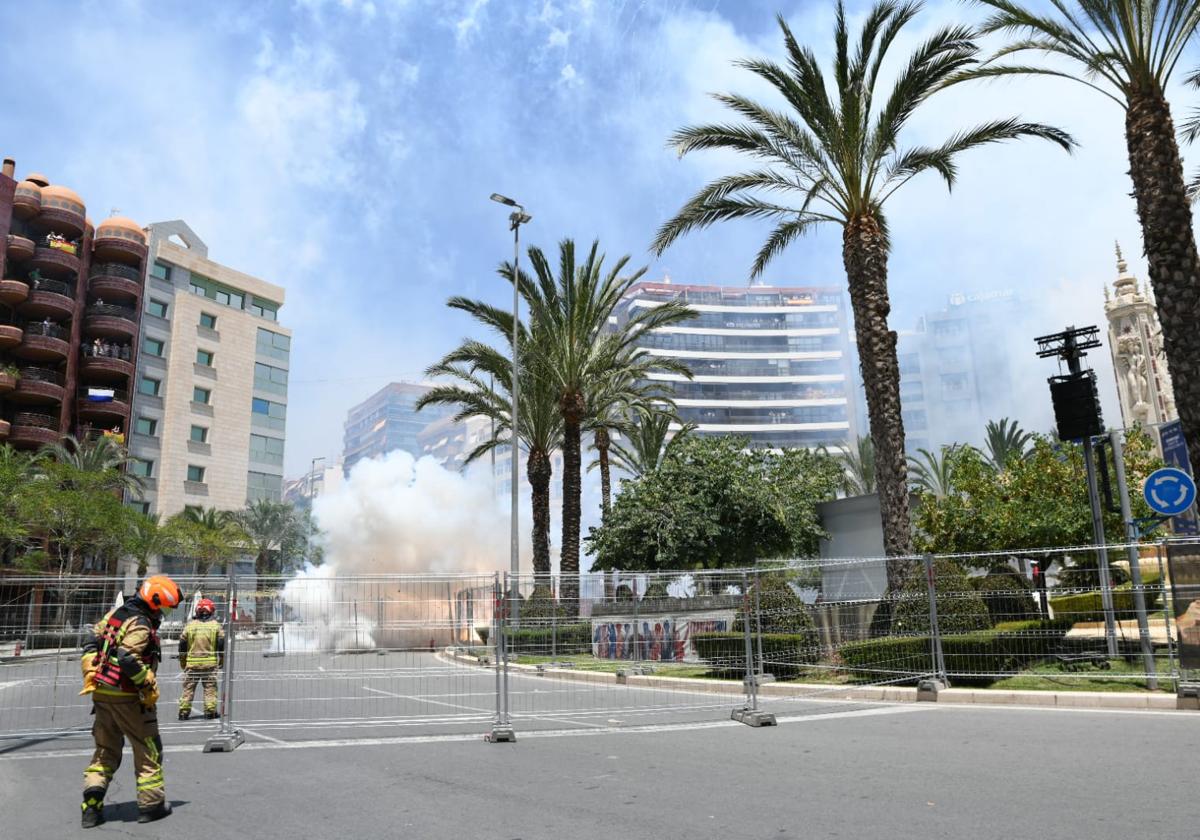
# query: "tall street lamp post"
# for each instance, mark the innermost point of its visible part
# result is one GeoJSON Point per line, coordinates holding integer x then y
{"type": "Point", "coordinates": [517, 218]}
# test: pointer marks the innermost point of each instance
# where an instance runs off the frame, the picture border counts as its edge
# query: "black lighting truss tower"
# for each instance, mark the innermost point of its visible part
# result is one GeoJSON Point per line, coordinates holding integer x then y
{"type": "Point", "coordinates": [1075, 398]}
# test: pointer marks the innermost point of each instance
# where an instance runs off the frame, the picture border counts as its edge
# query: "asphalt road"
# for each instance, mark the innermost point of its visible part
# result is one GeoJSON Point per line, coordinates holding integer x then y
{"type": "Point", "coordinates": [894, 771]}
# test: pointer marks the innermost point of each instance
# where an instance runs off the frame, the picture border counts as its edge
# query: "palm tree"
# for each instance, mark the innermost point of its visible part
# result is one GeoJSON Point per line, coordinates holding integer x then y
{"type": "Point", "coordinates": [275, 532]}
{"type": "Point", "coordinates": [148, 537]}
{"type": "Point", "coordinates": [858, 467]}
{"type": "Point", "coordinates": [538, 415]}
{"type": "Point", "coordinates": [579, 343]}
{"type": "Point", "coordinates": [841, 159]}
{"type": "Point", "coordinates": [99, 456]}
{"type": "Point", "coordinates": [625, 393]}
{"type": "Point", "coordinates": [650, 441]}
{"type": "Point", "coordinates": [934, 472]}
{"type": "Point", "coordinates": [1006, 440]}
{"type": "Point", "coordinates": [1128, 51]}
{"type": "Point", "coordinates": [212, 537]}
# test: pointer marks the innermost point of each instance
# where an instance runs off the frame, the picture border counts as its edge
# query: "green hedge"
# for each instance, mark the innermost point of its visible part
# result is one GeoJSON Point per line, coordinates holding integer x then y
{"type": "Point", "coordinates": [1007, 596]}
{"type": "Point", "coordinates": [546, 640]}
{"type": "Point", "coordinates": [1002, 650]}
{"type": "Point", "coordinates": [784, 654]}
{"type": "Point", "coordinates": [960, 608]}
{"type": "Point", "coordinates": [1088, 606]}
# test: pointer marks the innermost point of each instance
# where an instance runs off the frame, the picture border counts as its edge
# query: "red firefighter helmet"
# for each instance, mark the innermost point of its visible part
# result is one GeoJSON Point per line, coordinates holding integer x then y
{"type": "Point", "coordinates": [205, 608]}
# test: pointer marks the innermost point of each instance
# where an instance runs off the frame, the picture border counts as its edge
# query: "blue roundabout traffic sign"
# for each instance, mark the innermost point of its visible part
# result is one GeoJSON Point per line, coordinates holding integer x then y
{"type": "Point", "coordinates": [1169, 491]}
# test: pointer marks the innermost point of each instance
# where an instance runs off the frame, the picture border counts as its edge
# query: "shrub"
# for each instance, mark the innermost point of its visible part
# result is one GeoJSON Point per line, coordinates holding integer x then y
{"type": "Point", "coordinates": [657, 589]}
{"type": "Point", "coordinates": [1084, 573]}
{"type": "Point", "coordinates": [781, 610]}
{"type": "Point", "coordinates": [960, 608]}
{"type": "Point", "coordinates": [970, 657]}
{"type": "Point", "coordinates": [1089, 606]}
{"type": "Point", "coordinates": [541, 605]}
{"type": "Point", "coordinates": [1007, 596]}
{"type": "Point", "coordinates": [542, 640]}
{"type": "Point", "coordinates": [784, 654]}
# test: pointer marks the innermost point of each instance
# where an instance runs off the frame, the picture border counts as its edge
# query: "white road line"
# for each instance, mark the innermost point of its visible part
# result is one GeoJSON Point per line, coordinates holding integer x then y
{"type": "Point", "coordinates": [263, 737]}
{"type": "Point", "coordinates": [400, 740]}
{"type": "Point", "coordinates": [425, 700]}
{"type": "Point", "coordinates": [13, 684]}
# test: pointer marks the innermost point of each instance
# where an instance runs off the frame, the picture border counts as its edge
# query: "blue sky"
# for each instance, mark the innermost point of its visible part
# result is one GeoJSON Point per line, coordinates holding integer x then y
{"type": "Point", "coordinates": [346, 150]}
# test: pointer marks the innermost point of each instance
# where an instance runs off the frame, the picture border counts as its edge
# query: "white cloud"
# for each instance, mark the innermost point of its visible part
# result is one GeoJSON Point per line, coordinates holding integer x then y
{"type": "Point", "coordinates": [569, 77]}
{"type": "Point", "coordinates": [468, 24]}
{"type": "Point", "coordinates": [558, 38]}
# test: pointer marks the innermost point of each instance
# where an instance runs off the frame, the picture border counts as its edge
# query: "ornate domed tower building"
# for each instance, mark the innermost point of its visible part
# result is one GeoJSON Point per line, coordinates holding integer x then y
{"type": "Point", "coordinates": [1139, 363]}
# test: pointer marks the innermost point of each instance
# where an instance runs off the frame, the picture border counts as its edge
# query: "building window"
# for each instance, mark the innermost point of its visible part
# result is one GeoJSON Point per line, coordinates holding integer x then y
{"type": "Point", "coordinates": [204, 357]}
{"type": "Point", "coordinates": [266, 450]}
{"type": "Point", "coordinates": [211, 289]}
{"type": "Point", "coordinates": [141, 507]}
{"type": "Point", "coordinates": [195, 474]}
{"type": "Point", "coordinates": [157, 308]}
{"type": "Point", "coordinates": [200, 434]}
{"type": "Point", "coordinates": [201, 395]}
{"type": "Point", "coordinates": [208, 321]}
{"type": "Point", "coordinates": [161, 270]}
{"type": "Point", "coordinates": [146, 426]}
{"type": "Point", "coordinates": [268, 414]}
{"type": "Point", "coordinates": [142, 467]}
{"type": "Point", "coordinates": [149, 386]}
{"type": "Point", "coordinates": [269, 378]}
{"type": "Point", "coordinates": [264, 309]}
{"type": "Point", "coordinates": [153, 347]}
{"type": "Point", "coordinates": [261, 485]}
{"type": "Point", "coordinates": [273, 344]}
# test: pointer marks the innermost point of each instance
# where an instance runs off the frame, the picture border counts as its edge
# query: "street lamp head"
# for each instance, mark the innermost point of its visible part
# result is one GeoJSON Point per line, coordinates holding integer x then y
{"type": "Point", "coordinates": [520, 218]}
{"type": "Point", "coordinates": [503, 199]}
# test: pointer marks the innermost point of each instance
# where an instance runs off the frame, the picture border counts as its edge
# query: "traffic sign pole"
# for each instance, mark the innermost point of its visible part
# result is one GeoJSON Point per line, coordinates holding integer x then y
{"type": "Point", "coordinates": [1135, 570]}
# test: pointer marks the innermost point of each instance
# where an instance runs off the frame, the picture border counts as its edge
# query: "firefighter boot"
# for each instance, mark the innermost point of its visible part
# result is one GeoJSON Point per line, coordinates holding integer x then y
{"type": "Point", "coordinates": [185, 715]}
{"type": "Point", "coordinates": [212, 715]}
{"type": "Point", "coordinates": [93, 807]}
{"type": "Point", "coordinates": [163, 809]}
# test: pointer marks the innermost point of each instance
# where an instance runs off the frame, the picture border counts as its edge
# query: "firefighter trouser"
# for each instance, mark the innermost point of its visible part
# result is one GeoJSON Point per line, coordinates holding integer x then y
{"type": "Point", "coordinates": [205, 676]}
{"type": "Point", "coordinates": [117, 720]}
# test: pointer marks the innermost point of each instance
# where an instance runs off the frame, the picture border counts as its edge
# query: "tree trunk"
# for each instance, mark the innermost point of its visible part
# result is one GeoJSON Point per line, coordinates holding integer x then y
{"type": "Point", "coordinates": [539, 470]}
{"type": "Point", "coordinates": [864, 253]}
{"type": "Point", "coordinates": [602, 443]}
{"type": "Point", "coordinates": [1166, 218]}
{"type": "Point", "coordinates": [572, 407]}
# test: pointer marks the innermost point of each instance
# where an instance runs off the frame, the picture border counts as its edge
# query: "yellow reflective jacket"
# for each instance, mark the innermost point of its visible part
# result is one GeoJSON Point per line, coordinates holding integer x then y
{"type": "Point", "coordinates": [201, 643]}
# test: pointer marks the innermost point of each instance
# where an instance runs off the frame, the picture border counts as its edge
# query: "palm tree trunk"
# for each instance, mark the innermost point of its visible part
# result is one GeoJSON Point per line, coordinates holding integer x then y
{"type": "Point", "coordinates": [539, 470]}
{"type": "Point", "coordinates": [572, 411]}
{"type": "Point", "coordinates": [1166, 218]}
{"type": "Point", "coordinates": [864, 253]}
{"type": "Point", "coordinates": [602, 443]}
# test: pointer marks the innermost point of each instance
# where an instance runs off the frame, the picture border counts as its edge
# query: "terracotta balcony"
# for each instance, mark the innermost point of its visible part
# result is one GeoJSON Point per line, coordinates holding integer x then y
{"type": "Point", "coordinates": [13, 291]}
{"type": "Point", "coordinates": [106, 320]}
{"type": "Point", "coordinates": [105, 368]}
{"type": "Point", "coordinates": [63, 211]}
{"type": "Point", "coordinates": [3, 430]}
{"type": "Point", "coordinates": [10, 336]}
{"type": "Point", "coordinates": [114, 281]}
{"type": "Point", "coordinates": [27, 200]}
{"type": "Point", "coordinates": [31, 430]}
{"type": "Point", "coordinates": [8, 381]}
{"type": "Point", "coordinates": [90, 402]}
{"type": "Point", "coordinates": [52, 299]}
{"type": "Point", "coordinates": [54, 260]}
{"type": "Point", "coordinates": [38, 386]}
{"type": "Point", "coordinates": [19, 248]}
{"type": "Point", "coordinates": [42, 343]}
{"type": "Point", "coordinates": [121, 240]}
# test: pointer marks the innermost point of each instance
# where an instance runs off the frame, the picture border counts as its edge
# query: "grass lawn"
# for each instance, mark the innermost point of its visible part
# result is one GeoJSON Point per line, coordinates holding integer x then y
{"type": "Point", "coordinates": [1054, 676]}
{"type": "Point", "coordinates": [587, 662]}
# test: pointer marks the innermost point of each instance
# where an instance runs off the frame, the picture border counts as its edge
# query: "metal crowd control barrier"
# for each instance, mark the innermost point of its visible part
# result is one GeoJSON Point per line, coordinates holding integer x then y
{"type": "Point", "coordinates": [327, 655]}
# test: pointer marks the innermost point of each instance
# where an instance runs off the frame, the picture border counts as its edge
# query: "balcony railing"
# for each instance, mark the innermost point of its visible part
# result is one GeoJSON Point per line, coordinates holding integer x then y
{"type": "Point", "coordinates": [40, 421]}
{"type": "Point", "coordinates": [112, 269]}
{"type": "Point", "coordinates": [111, 310]}
{"type": "Point", "coordinates": [106, 350]}
{"type": "Point", "coordinates": [45, 284]}
{"type": "Point", "coordinates": [50, 330]}
{"type": "Point", "coordinates": [37, 374]}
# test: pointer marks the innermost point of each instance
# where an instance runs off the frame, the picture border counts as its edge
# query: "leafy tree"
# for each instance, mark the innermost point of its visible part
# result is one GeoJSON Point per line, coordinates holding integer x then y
{"type": "Point", "coordinates": [538, 416]}
{"type": "Point", "coordinates": [837, 152]}
{"type": "Point", "coordinates": [578, 347]}
{"type": "Point", "coordinates": [960, 608]}
{"type": "Point", "coordinates": [1007, 595]}
{"type": "Point", "coordinates": [1006, 440]}
{"type": "Point", "coordinates": [275, 532]}
{"type": "Point", "coordinates": [148, 537]}
{"type": "Point", "coordinates": [649, 441]}
{"type": "Point", "coordinates": [858, 466]}
{"type": "Point", "coordinates": [1038, 502]}
{"type": "Point", "coordinates": [17, 469]}
{"type": "Point", "coordinates": [1127, 50]}
{"type": "Point", "coordinates": [714, 504]}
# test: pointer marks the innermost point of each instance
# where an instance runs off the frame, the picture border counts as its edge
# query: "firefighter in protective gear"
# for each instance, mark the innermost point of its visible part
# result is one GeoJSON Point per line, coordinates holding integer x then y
{"type": "Point", "coordinates": [119, 665]}
{"type": "Point", "coordinates": [201, 650]}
